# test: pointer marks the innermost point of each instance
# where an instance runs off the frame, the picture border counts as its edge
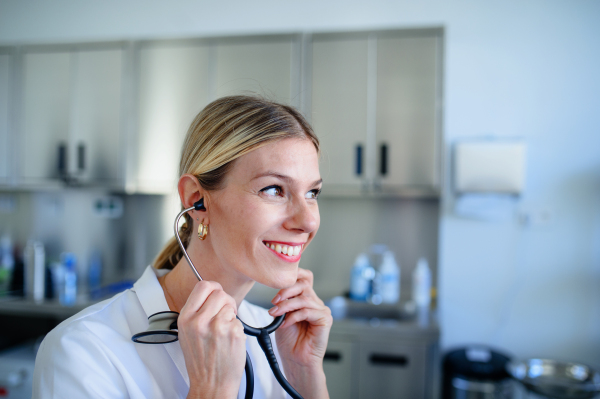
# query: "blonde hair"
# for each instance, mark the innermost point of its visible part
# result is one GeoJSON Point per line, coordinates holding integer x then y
{"type": "Point", "coordinates": [225, 130]}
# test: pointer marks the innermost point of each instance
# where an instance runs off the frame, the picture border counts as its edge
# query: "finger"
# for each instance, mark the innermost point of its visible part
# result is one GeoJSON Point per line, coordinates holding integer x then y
{"type": "Point", "coordinates": [216, 301]}
{"type": "Point", "coordinates": [299, 287]}
{"type": "Point", "coordinates": [227, 325]}
{"type": "Point", "coordinates": [321, 317]}
{"type": "Point", "coordinates": [225, 314]}
{"type": "Point", "coordinates": [292, 304]}
{"type": "Point", "coordinates": [201, 291]}
{"type": "Point", "coordinates": [304, 274]}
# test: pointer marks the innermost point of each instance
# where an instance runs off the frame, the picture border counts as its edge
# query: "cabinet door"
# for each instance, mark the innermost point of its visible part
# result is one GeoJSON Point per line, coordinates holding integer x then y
{"type": "Point", "coordinates": [45, 114]}
{"type": "Point", "coordinates": [339, 366]}
{"type": "Point", "coordinates": [173, 89]}
{"type": "Point", "coordinates": [392, 370]}
{"type": "Point", "coordinates": [5, 90]}
{"type": "Point", "coordinates": [407, 95]}
{"type": "Point", "coordinates": [259, 65]}
{"type": "Point", "coordinates": [339, 107]}
{"type": "Point", "coordinates": [96, 115]}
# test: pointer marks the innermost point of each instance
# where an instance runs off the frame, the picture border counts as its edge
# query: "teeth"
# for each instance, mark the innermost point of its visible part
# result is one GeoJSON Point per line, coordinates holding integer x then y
{"type": "Point", "coordinates": [288, 250]}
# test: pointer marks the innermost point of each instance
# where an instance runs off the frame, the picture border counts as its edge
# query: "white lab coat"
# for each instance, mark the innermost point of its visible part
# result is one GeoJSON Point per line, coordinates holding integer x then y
{"type": "Point", "coordinates": [91, 355]}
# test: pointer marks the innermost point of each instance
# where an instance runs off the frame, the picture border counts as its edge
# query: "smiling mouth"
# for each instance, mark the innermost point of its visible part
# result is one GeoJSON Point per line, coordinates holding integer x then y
{"type": "Point", "coordinates": [287, 250]}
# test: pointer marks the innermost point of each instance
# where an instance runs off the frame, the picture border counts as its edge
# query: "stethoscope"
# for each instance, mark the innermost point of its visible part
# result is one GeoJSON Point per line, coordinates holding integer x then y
{"type": "Point", "coordinates": [162, 327]}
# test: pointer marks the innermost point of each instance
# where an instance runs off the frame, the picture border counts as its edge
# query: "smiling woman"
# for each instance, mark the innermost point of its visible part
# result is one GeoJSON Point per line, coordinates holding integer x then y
{"type": "Point", "coordinates": [255, 165]}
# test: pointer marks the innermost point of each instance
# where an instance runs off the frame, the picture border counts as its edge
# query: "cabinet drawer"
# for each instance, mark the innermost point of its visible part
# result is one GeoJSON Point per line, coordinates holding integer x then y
{"type": "Point", "coordinates": [391, 370]}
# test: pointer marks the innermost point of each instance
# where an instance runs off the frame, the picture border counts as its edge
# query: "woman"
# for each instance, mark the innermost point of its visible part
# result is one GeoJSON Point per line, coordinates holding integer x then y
{"type": "Point", "coordinates": [255, 164]}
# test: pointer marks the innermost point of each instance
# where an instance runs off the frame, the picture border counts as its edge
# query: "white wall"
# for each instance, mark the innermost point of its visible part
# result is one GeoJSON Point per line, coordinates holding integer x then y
{"type": "Point", "coordinates": [513, 68]}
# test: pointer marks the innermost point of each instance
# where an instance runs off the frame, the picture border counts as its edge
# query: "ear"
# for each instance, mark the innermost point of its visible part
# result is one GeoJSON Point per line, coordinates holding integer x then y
{"type": "Point", "coordinates": [190, 191]}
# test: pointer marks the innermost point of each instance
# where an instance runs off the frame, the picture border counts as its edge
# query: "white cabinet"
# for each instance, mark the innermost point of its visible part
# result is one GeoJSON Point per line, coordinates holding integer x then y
{"type": "Point", "coordinates": [6, 69]}
{"type": "Point", "coordinates": [71, 97]}
{"type": "Point", "coordinates": [45, 114]}
{"type": "Point", "coordinates": [177, 79]}
{"type": "Point", "coordinates": [340, 365]}
{"type": "Point", "coordinates": [375, 106]}
{"type": "Point", "coordinates": [339, 107]}
{"type": "Point", "coordinates": [263, 65]}
{"type": "Point", "coordinates": [121, 115]}
{"type": "Point", "coordinates": [387, 360]}
{"type": "Point", "coordinates": [407, 99]}
{"type": "Point", "coordinates": [174, 86]}
{"type": "Point", "coordinates": [392, 370]}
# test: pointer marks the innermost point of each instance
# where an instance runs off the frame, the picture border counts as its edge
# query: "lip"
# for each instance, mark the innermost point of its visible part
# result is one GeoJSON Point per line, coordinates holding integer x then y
{"type": "Point", "coordinates": [290, 259]}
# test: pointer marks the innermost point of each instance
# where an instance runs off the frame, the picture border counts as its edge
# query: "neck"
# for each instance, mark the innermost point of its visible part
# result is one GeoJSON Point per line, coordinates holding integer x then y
{"type": "Point", "coordinates": [179, 283]}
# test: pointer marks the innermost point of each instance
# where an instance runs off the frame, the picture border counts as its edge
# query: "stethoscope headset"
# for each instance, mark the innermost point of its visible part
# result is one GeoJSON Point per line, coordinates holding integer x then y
{"type": "Point", "coordinates": [162, 327]}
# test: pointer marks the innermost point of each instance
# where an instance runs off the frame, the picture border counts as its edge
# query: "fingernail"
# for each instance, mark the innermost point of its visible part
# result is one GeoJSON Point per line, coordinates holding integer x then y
{"type": "Point", "coordinates": [276, 299]}
{"type": "Point", "coordinates": [273, 309]}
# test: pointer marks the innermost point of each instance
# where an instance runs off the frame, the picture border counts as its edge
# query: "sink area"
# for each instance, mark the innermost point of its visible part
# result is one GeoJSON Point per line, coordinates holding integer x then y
{"type": "Point", "coordinates": [344, 308]}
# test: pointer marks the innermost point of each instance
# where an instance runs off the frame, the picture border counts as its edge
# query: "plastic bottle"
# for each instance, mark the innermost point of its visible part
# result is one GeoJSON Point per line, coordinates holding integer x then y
{"type": "Point", "coordinates": [359, 283]}
{"type": "Point", "coordinates": [7, 264]}
{"type": "Point", "coordinates": [390, 278]}
{"type": "Point", "coordinates": [35, 270]}
{"type": "Point", "coordinates": [422, 284]}
{"type": "Point", "coordinates": [95, 275]}
{"type": "Point", "coordinates": [68, 294]}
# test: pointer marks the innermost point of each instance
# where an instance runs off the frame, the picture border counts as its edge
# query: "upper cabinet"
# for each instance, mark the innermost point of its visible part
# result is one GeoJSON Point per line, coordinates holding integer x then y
{"type": "Point", "coordinates": [6, 70]}
{"type": "Point", "coordinates": [174, 85]}
{"type": "Point", "coordinates": [263, 65]}
{"type": "Point", "coordinates": [376, 107]}
{"type": "Point", "coordinates": [70, 115]}
{"type": "Point", "coordinates": [177, 79]}
{"type": "Point", "coordinates": [339, 107]}
{"type": "Point", "coordinates": [116, 114]}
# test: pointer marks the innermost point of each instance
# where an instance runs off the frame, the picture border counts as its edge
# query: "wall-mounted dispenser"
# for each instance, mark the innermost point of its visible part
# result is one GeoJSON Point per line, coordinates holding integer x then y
{"type": "Point", "coordinates": [489, 177]}
{"type": "Point", "coordinates": [489, 167]}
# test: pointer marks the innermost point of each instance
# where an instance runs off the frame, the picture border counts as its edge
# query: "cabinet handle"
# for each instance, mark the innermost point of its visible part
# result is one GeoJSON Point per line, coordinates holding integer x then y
{"type": "Point", "coordinates": [383, 158]}
{"type": "Point", "coordinates": [388, 360]}
{"type": "Point", "coordinates": [359, 159]}
{"type": "Point", "coordinates": [333, 356]}
{"type": "Point", "coordinates": [81, 157]}
{"type": "Point", "coordinates": [62, 160]}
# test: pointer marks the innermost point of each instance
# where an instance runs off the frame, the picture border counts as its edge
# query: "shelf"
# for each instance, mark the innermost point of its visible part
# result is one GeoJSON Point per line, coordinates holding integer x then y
{"type": "Point", "coordinates": [27, 307]}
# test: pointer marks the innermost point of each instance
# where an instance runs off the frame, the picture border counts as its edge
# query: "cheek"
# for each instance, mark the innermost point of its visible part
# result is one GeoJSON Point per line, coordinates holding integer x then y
{"type": "Point", "coordinates": [248, 223]}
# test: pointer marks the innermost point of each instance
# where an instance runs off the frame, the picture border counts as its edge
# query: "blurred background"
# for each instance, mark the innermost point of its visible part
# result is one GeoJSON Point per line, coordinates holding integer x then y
{"type": "Point", "coordinates": [464, 133]}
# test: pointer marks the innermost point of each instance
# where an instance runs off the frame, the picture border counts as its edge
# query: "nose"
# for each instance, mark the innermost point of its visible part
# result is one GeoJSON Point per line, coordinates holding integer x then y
{"type": "Point", "coordinates": [303, 217]}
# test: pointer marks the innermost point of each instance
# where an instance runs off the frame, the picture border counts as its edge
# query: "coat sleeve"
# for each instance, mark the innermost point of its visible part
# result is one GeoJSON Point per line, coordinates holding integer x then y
{"type": "Point", "coordinates": [73, 363]}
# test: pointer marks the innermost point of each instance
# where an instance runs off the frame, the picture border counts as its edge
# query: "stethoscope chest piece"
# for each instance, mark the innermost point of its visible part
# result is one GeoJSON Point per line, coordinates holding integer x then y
{"type": "Point", "coordinates": [162, 329]}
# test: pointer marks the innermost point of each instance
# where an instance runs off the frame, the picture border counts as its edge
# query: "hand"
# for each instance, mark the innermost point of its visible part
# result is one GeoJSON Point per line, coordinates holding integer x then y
{"type": "Point", "coordinates": [212, 341]}
{"type": "Point", "coordinates": [302, 338]}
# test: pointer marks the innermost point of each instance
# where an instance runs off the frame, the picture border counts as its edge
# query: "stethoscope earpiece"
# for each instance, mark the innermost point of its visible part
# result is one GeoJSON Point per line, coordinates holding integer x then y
{"type": "Point", "coordinates": [199, 205]}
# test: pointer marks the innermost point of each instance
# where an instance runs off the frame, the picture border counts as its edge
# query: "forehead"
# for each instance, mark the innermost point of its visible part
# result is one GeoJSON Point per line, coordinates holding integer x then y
{"type": "Point", "coordinates": [293, 157]}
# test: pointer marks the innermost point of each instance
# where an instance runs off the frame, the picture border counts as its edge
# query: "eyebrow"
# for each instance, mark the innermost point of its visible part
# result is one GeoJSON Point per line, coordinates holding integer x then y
{"type": "Point", "coordinates": [282, 177]}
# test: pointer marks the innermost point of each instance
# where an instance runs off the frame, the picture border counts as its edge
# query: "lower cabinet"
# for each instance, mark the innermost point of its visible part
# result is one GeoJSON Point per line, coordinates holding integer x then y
{"type": "Point", "coordinates": [341, 365]}
{"type": "Point", "coordinates": [388, 370]}
{"type": "Point", "coordinates": [366, 366]}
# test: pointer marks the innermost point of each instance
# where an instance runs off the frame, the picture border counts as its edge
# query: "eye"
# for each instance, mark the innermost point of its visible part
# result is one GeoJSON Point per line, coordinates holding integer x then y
{"type": "Point", "coordinates": [313, 194]}
{"type": "Point", "coordinates": [273, 191]}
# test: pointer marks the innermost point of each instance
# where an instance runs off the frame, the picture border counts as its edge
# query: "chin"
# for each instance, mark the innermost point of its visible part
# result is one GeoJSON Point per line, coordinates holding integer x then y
{"type": "Point", "coordinates": [281, 280]}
